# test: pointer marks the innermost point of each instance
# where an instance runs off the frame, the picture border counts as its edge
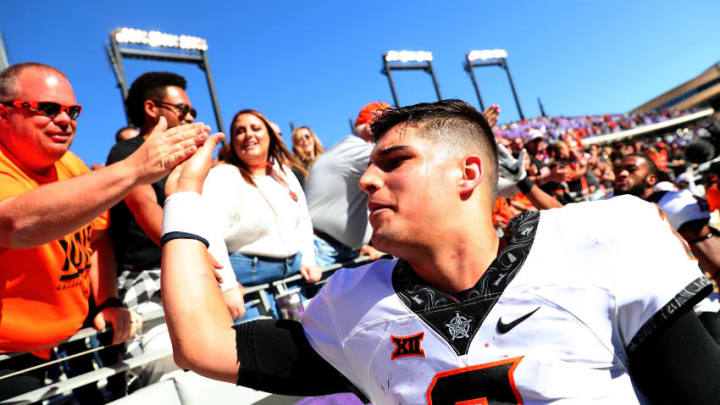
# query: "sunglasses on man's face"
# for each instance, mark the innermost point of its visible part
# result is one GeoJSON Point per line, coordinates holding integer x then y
{"type": "Point", "coordinates": [182, 109]}
{"type": "Point", "coordinates": [47, 108]}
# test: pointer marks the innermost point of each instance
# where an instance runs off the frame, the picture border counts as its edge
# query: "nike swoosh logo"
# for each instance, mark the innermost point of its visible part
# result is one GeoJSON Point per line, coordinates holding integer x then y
{"type": "Point", "coordinates": [506, 327]}
{"type": "Point", "coordinates": [514, 171]}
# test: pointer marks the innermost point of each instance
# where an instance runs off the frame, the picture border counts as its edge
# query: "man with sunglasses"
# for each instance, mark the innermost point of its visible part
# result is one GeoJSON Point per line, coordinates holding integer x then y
{"type": "Point", "coordinates": [54, 248]}
{"type": "Point", "coordinates": [137, 220]}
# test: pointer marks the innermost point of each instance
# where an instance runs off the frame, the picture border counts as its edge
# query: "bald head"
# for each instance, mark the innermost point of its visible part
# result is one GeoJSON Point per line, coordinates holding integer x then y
{"type": "Point", "coordinates": [9, 89]}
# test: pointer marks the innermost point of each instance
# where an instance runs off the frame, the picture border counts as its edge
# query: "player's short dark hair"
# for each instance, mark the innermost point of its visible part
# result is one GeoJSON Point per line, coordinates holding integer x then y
{"type": "Point", "coordinates": [447, 122]}
{"type": "Point", "coordinates": [149, 86]}
{"type": "Point", "coordinates": [8, 78]}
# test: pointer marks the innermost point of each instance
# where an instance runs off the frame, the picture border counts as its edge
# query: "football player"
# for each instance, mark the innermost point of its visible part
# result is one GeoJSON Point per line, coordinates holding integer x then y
{"type": "Point", "coordinates": [590, 303]}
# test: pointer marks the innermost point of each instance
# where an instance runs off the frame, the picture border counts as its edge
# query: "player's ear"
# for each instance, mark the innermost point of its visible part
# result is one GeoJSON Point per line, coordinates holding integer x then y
{"type": "Point", "coordinates": [472, 174]}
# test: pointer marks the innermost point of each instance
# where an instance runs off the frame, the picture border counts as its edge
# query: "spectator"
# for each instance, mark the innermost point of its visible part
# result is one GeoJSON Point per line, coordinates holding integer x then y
{"type": "Point", "coordinates": [516, 192]}
{"type": "Point", "coordinates": [516, 145]}
{"type": "Point", "coordinates": [54, 249]}
{"type": "Point", "coordinates": [136, 221]}
{"type": "Point", "coordinates": [688, 214]}
{"type": "Point", "coordinates": [126, 133]}
{"type": "Point", "coordinates": [338, 208]}
{"type": "Point", "coordinates": [307, 148]}
{"type": "Point", "coordinates": [713, 191]}
{"type": "Point", "coordinates": [260, 207]}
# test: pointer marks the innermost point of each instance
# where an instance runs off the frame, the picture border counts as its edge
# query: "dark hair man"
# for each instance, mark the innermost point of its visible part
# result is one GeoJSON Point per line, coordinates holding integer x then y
{"type": "Point", "coordinates": [125, 133]}
{"type": "Point", "coordinates": [598, 293]}
{"type": "Point", "coordinates": [136, 221]}
{"type": "Point", "coordinates": [54, 249]}
{"type": "Point", "coordinates": [688, 214]}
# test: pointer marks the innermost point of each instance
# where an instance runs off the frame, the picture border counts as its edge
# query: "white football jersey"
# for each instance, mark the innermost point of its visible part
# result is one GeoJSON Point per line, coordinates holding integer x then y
{"type": "Point", "coordinates": [551, 320]}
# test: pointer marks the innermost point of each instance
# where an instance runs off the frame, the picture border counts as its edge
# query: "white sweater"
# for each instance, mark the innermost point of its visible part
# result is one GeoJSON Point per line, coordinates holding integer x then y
{"type": "Point", "coordinates": [250, 226]}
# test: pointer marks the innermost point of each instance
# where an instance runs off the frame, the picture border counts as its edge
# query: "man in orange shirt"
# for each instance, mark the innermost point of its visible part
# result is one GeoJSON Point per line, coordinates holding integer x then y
{"type": "Point", "coordinates": [54, 249]}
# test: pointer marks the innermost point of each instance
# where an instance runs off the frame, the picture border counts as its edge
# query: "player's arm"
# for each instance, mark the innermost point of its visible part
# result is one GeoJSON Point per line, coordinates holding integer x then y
{"type": "Point", "coordinates": [57, 209]}
{"type": "Point", "coordinates": [672, 356]}
{"type": "Point", "coordinates": [269, 355]}
{"type": "Point", "coordinates": [199, 324]}
{"type": "Point", "coordinates": [143, 204]}
{"type": "Point", "coordinates": [273, 356]}
{"type": "Point", "coordinates": [680, 364]}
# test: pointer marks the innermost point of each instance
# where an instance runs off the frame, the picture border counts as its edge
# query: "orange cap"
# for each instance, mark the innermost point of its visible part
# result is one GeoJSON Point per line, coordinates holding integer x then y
{"type": "Point", "coordinates": [371, 112]}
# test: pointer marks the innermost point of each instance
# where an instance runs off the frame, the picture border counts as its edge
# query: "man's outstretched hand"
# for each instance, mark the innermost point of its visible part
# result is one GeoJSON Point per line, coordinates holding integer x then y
{"type": "Point", "coordinates": [190, 175]}
{"type": "Point", "coordinates": [165, 148]}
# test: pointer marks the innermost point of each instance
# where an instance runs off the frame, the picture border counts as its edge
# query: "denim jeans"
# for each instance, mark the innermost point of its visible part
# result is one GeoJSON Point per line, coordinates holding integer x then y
{"type": "Point", "coordinates": [327, 253]}
{"type": "Point", "coordinates": [254, 270]}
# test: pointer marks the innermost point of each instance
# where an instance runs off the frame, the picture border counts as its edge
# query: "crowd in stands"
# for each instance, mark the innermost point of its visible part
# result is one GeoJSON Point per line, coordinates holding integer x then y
{"type": "Point", "coordinates": [570, 128]}
{"type": "Point", "coordinates": [81, 247]}
{"type": "Point", "coordinates": [572, 172]}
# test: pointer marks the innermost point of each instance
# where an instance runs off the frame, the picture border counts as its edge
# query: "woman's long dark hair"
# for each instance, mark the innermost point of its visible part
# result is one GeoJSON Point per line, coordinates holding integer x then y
{"type": "Point", "coordinates": [277, 151]}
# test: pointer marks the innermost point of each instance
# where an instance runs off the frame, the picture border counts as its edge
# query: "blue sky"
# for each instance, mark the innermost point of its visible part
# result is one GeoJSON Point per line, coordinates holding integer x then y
{"type": "Point", "coordinates": [317, 63]}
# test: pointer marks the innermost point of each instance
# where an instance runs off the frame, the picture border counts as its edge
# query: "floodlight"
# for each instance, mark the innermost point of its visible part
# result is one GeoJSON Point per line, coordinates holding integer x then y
{"type": "Point", "coordinates": [195, 52]}
{"type": "Point", "coordinates": [159, 39]}
{"type": "Point", "coordinates": [487, 54]}
{"type": "Point", "coordinates": [408, 56]}
{"type": "Point", "coordinates": [486, 58]}
{"type": "Point", "coordinates": [188, 42]}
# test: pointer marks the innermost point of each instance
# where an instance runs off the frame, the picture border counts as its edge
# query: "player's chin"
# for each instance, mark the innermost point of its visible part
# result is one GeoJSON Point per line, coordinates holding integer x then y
{"type": "Point", "coordinates": [382, 241]}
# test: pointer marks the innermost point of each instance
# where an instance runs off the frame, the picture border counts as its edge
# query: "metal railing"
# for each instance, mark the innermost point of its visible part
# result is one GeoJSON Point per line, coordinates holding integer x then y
{"type": "Point", "coordinates": [65, 386]}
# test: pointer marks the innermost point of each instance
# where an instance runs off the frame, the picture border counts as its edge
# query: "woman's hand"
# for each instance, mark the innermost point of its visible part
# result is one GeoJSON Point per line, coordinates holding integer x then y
{"type": "Point", "coordinates": [235, 302]}
{"type": "Point", "coordinates": [311, 272]}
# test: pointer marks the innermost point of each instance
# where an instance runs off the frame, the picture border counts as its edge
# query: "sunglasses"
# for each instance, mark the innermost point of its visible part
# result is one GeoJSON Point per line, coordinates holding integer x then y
{"type": "Point", "coordinates": [183, 109]}
{"type": "Point", "coordinates": [47, 108]}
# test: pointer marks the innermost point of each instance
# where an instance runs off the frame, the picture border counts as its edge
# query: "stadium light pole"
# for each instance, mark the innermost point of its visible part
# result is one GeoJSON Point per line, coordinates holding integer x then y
{"type": "Point", "coordinates": [189, 50]}
{"type": "Point", "coordinates": [3, 55]}
{"type": "Point", "coordinates": [490, 57]}
{"type": "Point", "coordinates": [408, 60]}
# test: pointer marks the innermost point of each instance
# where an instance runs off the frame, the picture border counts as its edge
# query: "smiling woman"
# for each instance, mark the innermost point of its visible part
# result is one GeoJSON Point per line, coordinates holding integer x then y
{"type": "Point", "coordinates": [307, 149]}
{"type": "Point", "coordinates": [259, 204]}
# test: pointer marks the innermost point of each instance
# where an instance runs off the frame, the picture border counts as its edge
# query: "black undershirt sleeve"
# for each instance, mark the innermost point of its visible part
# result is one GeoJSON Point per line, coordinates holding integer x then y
{"type": "Point", "coordinates": [275, 356]}
{"type": "Point", "coordinates": [680, 364]}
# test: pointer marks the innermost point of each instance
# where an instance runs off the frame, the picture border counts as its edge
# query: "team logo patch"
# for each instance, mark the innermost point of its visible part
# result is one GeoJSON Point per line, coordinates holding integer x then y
{"type": "Point", "coordinates": [406, 346]}
{"type": "Point", "coordinates": [459, 327]}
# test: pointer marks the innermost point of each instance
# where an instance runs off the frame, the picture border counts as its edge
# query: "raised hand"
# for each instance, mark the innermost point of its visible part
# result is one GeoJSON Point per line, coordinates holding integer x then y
{"type": "Point", "coordinates": [190, 175]}
{"type": "Point", "coordinates": [510, 168]}
{"type": "Point", "coordinates": [491, 114]}
{"type": "Point", "coordinates": [165, 148]}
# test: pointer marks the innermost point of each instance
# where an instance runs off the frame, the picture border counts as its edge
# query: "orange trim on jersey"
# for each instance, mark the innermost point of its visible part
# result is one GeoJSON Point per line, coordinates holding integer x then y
{"type": "Point", "coordinates": [481, 401]}
{"type": "Point", "coordinates": [405, 346]}
{"type": "Point", "coordinates": [511, 378]}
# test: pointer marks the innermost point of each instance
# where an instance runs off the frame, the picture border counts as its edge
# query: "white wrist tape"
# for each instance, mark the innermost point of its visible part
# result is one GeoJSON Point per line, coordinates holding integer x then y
{"type": "Point", "coordinates": [185, 216]}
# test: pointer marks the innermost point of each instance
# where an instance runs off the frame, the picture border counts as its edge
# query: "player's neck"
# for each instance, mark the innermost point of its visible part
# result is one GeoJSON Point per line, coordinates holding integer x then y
{"type": "Point", "coordinates": [458, 263]}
